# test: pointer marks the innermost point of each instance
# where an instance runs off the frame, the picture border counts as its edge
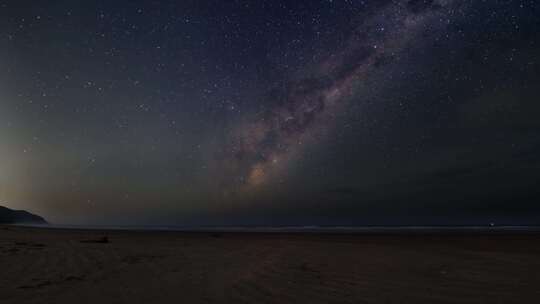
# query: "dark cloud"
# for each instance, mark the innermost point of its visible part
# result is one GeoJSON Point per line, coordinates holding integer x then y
{"type": "Point", "coordinates": [419, 6]}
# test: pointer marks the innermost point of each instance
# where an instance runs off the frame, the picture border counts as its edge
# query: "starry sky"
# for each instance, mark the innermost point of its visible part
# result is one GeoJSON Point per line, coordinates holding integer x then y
{"type": "Point", "coordinates": [334, 112]}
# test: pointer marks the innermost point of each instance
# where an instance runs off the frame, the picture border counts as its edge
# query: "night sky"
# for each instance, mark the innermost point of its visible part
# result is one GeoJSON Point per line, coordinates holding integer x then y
{"type": "Point", "coordinates": [338, 112]}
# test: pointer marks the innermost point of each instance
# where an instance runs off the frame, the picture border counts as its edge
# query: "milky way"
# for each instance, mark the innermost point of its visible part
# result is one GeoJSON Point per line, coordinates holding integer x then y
{"type": "Point", "coordinates": [264, 146]}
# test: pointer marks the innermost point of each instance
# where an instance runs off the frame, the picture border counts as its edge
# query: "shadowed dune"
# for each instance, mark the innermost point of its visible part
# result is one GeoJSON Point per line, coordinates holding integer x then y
{"type": "Point", "coordinates": [54, 266]}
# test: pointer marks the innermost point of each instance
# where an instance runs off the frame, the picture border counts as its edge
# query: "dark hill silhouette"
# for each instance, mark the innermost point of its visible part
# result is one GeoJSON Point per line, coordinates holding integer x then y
{"type": "Point", "coordinates": [8, 216]}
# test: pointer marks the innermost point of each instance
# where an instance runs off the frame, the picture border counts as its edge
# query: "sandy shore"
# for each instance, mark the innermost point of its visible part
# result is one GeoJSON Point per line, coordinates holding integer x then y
{"type": "Point", "coordinates": [71, 266]}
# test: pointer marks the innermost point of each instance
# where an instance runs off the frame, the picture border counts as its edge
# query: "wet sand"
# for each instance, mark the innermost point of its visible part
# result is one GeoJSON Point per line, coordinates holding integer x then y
{"type": "Point", "coordinates": [76, 266]}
